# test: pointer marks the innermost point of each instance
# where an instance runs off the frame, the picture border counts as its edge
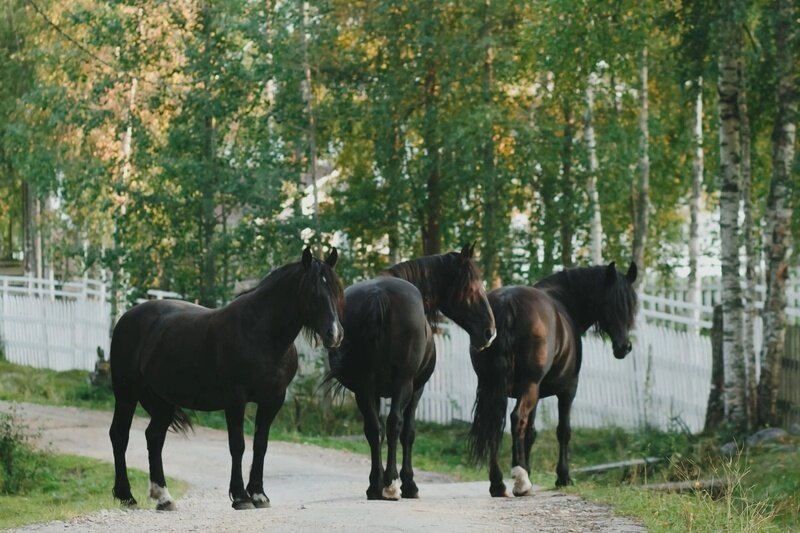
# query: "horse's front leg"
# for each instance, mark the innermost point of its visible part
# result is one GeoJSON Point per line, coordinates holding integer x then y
{"type": "Point", "coordinates": [267, 410]}
{"type": "Point", "coordinates": [564, 433]}
{"type": "Point", "coordinates": [368, 405]}
{"type": "Point", "coordinates": [409, 488]}
{"type": "Point", "coordinates": [234, 416]}
{"type": "Point", "coordinates": [520, 469]}
{"type": "Point", "coordinates": [394, 425]}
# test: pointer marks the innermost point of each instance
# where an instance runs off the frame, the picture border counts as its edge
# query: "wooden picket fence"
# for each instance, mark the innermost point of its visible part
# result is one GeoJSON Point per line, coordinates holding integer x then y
{"type": "Point", "coordinates": [49, 324]}
{"type": "Point", "coordinates": [664, 382]}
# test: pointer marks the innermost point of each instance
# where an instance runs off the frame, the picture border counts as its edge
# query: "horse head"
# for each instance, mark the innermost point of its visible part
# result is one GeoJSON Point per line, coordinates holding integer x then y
{"type": "Point", "coordinates": [465, 301]}
{"type": "Point", "coordinates": [322, 298]}
{"type": "Point", "coordinates": [618, 310]}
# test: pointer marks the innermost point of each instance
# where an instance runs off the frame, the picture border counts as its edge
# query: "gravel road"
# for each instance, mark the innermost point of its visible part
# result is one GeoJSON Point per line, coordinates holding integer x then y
{"type": "Point", "coordinates": [311, 489]}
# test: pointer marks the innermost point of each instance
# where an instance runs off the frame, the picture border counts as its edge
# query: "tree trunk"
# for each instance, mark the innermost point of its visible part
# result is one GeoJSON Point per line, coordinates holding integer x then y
{"type": "Point", "coordinates": [431, 232]}
{"type": "Point", "coordinates": [715, 412]}
{"type": "Point", "coordinates": [567, 189]}
{"type": "Point", "coordinates": [308, 95]}
{"type": "Point", "coordinates": [642, 191]}
{"type": "Point", "coordinates": [730, 196]}
{"type": "Point", "coordinates": [695, 204]}
{"type": "Point", "coordinates": [596, 232]}
{"type": "Point", "coordinates": [207, 219]}
{"type": "Point", "coordinates": [29, 229]}
{"type": "Point", "coordinates": [778, 210]}
{"type": "Point", "coordinates": [491, 237]}
{"type": "Point", "coordinates": [751, 260]}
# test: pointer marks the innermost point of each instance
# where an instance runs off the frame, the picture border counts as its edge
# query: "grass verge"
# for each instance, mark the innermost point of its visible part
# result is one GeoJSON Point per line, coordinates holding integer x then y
{"type": "Point", "coordinates": [68, 486]}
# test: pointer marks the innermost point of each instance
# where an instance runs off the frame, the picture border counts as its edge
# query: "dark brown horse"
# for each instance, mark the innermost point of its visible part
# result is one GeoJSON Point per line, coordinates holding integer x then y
{"type": "Point", "coordinates": [389, 350]}
{"type": "Point", "coordinates": [538, 354]}
{"type": "Point", "coordinates": [168, 354]}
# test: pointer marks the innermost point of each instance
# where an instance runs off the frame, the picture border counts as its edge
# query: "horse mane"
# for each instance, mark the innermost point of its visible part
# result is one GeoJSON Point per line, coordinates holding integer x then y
{"type": "Point", "coordinates": [434, 274]}
{"type": "Point", "coordinates": [281, 275]}
{"type": "Point", "coordinates": [580, 290]}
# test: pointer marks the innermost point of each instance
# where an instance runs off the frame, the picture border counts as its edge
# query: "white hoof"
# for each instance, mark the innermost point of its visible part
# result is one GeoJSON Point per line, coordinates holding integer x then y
{"type": "Point", "coordinates": [161, 495]}
{"type": "Point", "coordinates": [522, 484]}
{"type": "Point", "coordinates": [392, 492]}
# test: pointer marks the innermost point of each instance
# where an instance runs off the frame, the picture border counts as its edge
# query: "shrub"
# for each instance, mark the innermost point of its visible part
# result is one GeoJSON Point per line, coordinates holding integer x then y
{"type": "Point", "coordinates": [19, 464]}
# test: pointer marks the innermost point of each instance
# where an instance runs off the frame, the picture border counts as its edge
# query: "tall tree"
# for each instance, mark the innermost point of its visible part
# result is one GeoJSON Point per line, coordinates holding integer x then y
{"type": "Point", "coordinates": [729, 87]}
{"type": "Point", "coordinates": [641, 195]}
{"type": "Point", "coordinates": [784, 19]}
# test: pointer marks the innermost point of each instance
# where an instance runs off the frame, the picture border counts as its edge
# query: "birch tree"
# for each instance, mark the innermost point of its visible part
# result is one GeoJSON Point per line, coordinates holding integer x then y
{"type": "Point", "coordinates": [695, 202]}
{"type": "Point", "coordinates": [729, 86]}
{"type": "Point", "coordinates": [641, 194]}
{"type": "Point", "coordinates": [596, 223]}
{"type": "Point", "coordinates": [785, 14]}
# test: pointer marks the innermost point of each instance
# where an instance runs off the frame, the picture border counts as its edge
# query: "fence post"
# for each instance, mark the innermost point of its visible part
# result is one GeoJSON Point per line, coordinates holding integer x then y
{"type": "Point", "coordinates": [715, 412]}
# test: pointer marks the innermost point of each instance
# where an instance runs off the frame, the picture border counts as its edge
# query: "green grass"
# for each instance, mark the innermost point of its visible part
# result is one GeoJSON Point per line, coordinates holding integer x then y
{"type": "Point", "coordinates": [765, 495]}
{"type": "Point", "coordinates": [67, 486]}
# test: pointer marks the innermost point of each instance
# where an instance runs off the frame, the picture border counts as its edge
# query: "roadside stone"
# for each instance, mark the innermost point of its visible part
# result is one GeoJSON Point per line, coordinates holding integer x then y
{"type": "Point", "coordinates": [729, 449]}
{"type": "Point", "coordinates": [766, 435]}
{"type": "Point", "coordinates": [794, 429]}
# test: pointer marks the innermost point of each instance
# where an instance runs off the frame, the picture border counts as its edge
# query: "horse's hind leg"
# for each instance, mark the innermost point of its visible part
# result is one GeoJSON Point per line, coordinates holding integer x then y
{"type": "Point", "coordinates": [394, 425]}
{"type": "Point", "coordinates": [564, 433]}
{"type": "Point", "coordinates": [264, 417]}
{"type": "Point", "coordinates": [368, 405]}
{"type": "Point", "coordinates": [124, 407]}
{"type": "Point", "coordinates": [161, 414]}
{"type": "Point", "coordinates": [530, 437]}
{"type": "Point", "coordinates": [234, 417]}
{"type": "Point", "coordinates": [408, 488]}
{"type": "Point", "coordinates": [520, 468]}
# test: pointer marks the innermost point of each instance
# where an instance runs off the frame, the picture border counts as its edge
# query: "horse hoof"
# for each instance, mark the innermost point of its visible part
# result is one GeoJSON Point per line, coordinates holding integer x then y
{"type": "Point", "coordinates": [242, 505]}
{"type": "Point", "coordinates": [129, 503]}
{"type": "Point", "coordinates": [260, 501]}
{"type": "Point", "coordinates": [374, 494]}
{"type": "Point", "coordinates": [499, 492]}
{"type": "Point", "coordinates": [409, 494]}
{"type": "Point", "coordinates": [392, 492]}
{"type": "Point", "coordinates": [166, 506]}
{"type": "Point", "coordinates": [561, 483]}
{"type": "Point", "coordinates": [522, 485]}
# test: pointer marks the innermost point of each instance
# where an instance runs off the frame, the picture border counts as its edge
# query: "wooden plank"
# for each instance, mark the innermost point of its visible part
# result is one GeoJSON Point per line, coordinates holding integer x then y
{"type": "Point", "coordinates": [598, 469]}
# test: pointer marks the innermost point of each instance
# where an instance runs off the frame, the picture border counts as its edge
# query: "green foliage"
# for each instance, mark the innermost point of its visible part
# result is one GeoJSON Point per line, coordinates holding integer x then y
{"type": "Point", "coordinates": [19, 465]}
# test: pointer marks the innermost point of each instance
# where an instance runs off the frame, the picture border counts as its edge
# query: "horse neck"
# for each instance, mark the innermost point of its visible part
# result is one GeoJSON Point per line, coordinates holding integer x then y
{"type": "Point", "coordinates": [273, 305]}
{"type": "Point", "coordinates": [427, 274]}
{"type": "Point", "coordinates": [579, 292]}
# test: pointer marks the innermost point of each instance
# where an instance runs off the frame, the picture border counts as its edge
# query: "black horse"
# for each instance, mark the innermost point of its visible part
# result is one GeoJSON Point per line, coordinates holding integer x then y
{"type": "Point", "coordinates": [389, 350]}
{"type": "Point", "coordinates": [168, 354]}
{"type": "Point", "coordinates": [538, 354]}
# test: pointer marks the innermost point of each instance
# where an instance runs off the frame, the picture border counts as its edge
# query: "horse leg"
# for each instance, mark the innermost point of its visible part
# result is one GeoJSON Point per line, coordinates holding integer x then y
{"type": "Point", "coordinates": [497, 488]}
{"type": "Point", "coordinates": [394, 425]}
{"type": "Point", "coordinates": [367, 404]}
{"type": "Point", "coordinates": [408, 488]}
{"type": "Point", "coordinates": [264, 416]}
{"type": "Point", "coordinates": [119, 434]}
{"type": "Point", "coordinates": [564, 433]}
{"type": "Point", "coordinates": [520, 469]}
{"type": "Point", "coordinates": [530, 436]}
{"type": "Point", "coordinates": [234, 417]}
{"type": "Point", "coordinates": [161, 413]}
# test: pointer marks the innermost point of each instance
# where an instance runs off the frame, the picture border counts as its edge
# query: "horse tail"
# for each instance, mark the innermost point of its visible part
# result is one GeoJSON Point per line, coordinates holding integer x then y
{"type": "Point", "coordinates": [370, 317]}
{"type": "Point", "coordinates": [491, 397]}
{"type": "Point", "coordinates": [181, 423]}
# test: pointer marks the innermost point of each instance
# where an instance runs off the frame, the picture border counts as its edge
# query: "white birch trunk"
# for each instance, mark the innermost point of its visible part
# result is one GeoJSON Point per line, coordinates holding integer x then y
{"type": "Point", "coordinates": [778, 211]}
{"type": "Point", "coordinates": [730, 158]}
{"type": "Point", "coordinates": [596, 224]}
{"type": "Point", "coordinates": [695, 204]}
{"type": "Point", "coordinates": [308, 94]}
{"type": "Point", "coordinates": [750, 239]}
{"type": "Point", "coordinates": [642, 192]}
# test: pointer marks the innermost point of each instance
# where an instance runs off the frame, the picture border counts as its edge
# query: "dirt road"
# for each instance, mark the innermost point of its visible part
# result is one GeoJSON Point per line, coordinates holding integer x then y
{"type": "Point", "coordinates": [311, 489]}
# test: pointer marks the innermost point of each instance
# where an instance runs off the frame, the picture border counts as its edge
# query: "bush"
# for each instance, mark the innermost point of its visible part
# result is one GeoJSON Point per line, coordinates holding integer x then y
{"type": "Point", "coordinates": [19, 464]}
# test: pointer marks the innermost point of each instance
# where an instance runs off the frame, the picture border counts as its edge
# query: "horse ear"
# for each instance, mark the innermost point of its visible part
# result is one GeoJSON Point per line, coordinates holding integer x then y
{"type": "Point", "coordinates": [631, 274]}
{"type": "Point", "coordinates": [332, 257]}
{"type": "Point", "coordinates": [611, 273]}
{"type": "Point", "coordinates": [466, 251]}
{"type": "Point", "coordinates": [472, 248]}
{"type": "Point", "coordinates": [307, 257]}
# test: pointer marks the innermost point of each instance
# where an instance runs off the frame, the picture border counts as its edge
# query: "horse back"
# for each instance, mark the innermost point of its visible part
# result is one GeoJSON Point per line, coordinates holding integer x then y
{"type": "Point", "coordinates": [536, 333]}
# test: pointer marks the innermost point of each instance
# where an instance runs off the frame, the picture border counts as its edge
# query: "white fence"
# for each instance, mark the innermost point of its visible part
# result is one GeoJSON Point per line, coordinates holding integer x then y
{"type": "Point", "coordinates": [55, 325]}
{"type": "Point", "coordinates": [48, 324]}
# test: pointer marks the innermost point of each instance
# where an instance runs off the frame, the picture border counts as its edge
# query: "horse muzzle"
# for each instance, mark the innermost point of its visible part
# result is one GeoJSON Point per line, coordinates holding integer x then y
{"type": "Point", "coordinates": [621, 351]}
{"type": "Point", "coordinates": [333, 337]}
